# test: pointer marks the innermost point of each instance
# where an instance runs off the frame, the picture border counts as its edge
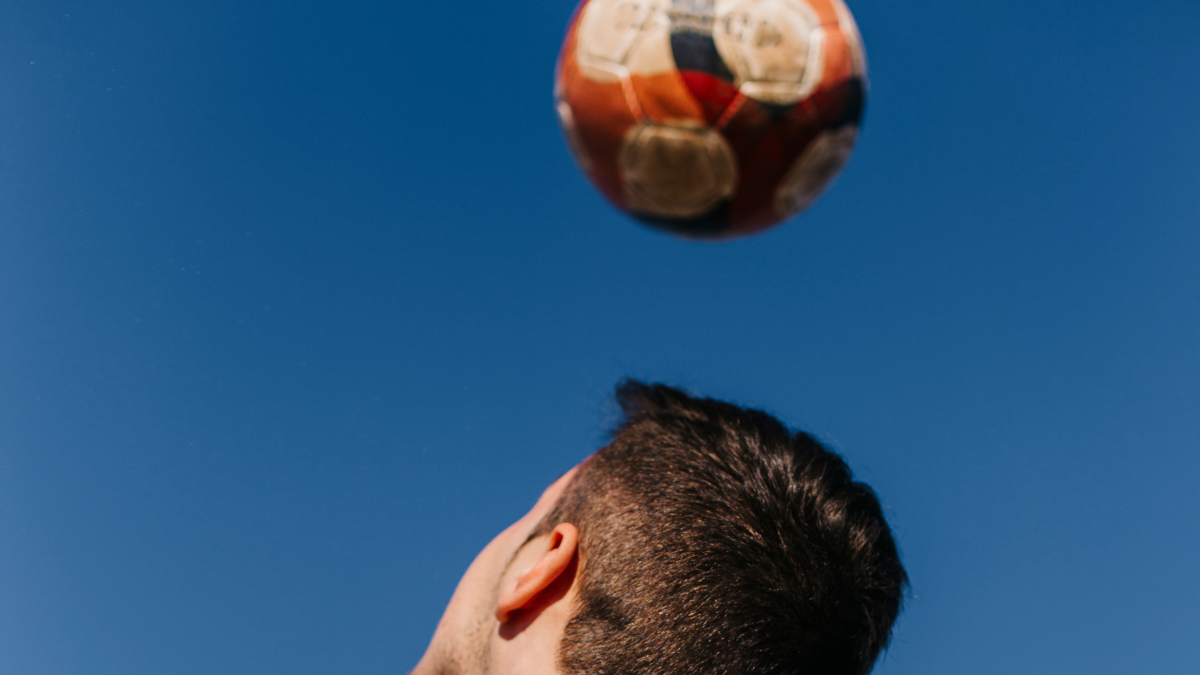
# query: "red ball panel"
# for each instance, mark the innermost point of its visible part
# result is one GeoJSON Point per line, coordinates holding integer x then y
{"type": "Point", "coordinates": [712, 93]}
{"type": "Point", "coordinates": [826, 13]}
{"type": "Point", "coordinates": [664, 98]}
{"type": "Point", "coordinates": [764, 162]}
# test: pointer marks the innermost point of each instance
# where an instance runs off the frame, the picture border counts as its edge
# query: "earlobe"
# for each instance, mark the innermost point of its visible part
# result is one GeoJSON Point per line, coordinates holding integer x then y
{"type": "Point", "coordinates": [524, 591]}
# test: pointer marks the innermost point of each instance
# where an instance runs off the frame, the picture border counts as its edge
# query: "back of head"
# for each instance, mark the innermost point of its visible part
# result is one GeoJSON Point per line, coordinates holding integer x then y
{"type": "Point", "coordinates": [713, 540]}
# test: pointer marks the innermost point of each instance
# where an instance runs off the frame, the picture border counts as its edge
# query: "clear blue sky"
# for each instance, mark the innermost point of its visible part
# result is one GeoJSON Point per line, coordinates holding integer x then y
{"type": "Point", "coordinates": [301, 303]}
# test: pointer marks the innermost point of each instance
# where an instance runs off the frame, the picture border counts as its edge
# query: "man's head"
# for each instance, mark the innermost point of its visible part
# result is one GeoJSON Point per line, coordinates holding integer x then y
{"type": "Point", "coordinates": [705, 538]}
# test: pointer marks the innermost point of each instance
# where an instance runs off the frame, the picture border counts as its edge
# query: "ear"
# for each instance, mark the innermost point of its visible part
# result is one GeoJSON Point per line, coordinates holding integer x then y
{"type": "Point", "coordinates": [524, 591]}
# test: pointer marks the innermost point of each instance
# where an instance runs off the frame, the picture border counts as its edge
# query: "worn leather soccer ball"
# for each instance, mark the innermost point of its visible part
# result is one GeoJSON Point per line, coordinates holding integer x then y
{"type": "Point", "coordinates": [711, 118]}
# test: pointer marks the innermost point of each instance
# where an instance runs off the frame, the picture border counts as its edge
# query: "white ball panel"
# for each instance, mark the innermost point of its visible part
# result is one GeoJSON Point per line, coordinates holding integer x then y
{"type": "Point", "coordinates": [676, 171]}
{"type": "Point", "coordinates": [768, 44]}
{"type": "Point", "coordinates": [651, 54]}
{"type": "Point", "coordinates": [814, 169]}
{"type": "Point", "coordinates": [608, 29]}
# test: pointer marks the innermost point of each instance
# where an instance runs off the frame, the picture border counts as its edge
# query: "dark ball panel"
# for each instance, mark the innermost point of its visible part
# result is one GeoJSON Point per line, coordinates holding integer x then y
{"type": "Point", "coordinates": [698, 52]}
{"type": "Point", "coordinates": [854, 101]}
{"type": "Point", "coordinates": [712, 225]}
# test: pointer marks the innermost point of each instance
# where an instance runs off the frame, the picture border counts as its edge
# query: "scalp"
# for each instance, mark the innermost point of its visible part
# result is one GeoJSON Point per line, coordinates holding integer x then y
{"type": "Point", "coordinates": [714, 539]}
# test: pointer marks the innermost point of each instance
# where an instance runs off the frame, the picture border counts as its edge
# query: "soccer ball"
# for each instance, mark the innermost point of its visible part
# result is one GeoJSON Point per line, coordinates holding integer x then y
{"type": "Point", "coordinates": [711, 118]}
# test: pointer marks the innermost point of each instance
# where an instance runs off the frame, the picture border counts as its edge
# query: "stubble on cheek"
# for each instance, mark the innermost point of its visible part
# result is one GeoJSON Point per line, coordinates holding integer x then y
{"type": "Point", "coordinates": [470, 652]}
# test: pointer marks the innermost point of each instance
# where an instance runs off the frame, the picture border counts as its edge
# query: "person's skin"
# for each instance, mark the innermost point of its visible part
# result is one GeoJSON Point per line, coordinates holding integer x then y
{"type": "Point", "coordinates": [509, 618]}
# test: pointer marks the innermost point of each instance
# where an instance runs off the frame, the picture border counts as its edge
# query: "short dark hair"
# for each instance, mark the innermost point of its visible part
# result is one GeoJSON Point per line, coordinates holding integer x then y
{"type": "Point", "coordinates": [714, 540]}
